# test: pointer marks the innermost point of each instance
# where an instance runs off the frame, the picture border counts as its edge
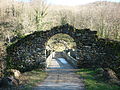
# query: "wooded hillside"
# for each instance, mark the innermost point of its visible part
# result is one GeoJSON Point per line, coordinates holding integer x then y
{"type": "Point", "coordinates": [21, 18]}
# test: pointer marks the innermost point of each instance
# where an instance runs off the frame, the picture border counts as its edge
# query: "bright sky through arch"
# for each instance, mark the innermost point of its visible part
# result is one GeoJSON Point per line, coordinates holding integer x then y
{"type": "Point", "coordinates": [71, 2]}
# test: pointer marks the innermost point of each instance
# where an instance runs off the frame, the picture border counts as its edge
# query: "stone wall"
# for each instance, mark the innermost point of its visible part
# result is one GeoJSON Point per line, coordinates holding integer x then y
{"type": "Point", "coordinates": [29, 52]}
{"type": "Point", "coordinates": [2, 59]}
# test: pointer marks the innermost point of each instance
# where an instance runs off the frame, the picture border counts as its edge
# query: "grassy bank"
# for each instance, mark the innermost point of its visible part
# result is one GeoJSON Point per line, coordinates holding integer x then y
{"type": "Point", "coordinates": [94, 81]}
{"type": "Point", "coordinates": [32, 78]}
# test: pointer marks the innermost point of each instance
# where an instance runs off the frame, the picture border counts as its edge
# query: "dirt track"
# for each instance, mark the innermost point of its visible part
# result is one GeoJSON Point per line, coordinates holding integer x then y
{"type": "Point", "coordinates": [61, 77]}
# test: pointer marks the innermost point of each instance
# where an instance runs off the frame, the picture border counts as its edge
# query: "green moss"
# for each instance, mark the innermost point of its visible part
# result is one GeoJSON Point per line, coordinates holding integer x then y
{"type": "Point", "coordinates": [94, 82]}
{"type": "Point", "coordinates": [32, 78]}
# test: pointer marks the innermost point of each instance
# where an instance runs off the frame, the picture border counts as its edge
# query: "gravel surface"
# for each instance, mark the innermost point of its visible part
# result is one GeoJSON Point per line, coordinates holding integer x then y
{"type": "Point", "coordinates": [61, 76]}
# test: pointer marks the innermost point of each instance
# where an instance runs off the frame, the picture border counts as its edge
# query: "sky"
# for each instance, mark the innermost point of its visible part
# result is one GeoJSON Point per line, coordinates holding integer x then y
{"type": "Point", "coordinates": [71, 2]}
{"type": "Point", "coordinates": [24, 0]}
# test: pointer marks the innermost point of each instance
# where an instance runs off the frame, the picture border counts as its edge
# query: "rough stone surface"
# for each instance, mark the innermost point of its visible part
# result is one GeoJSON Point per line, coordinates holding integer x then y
{"type": "Point", "coordinates": [8, 82]}
{"type": "Point", "coordinates": [2, 60]}
{"type": "Point", "coordinates": [110, 76]}
{"type": "Point", "coordinates": [29, 52]}
{"type": "Point", "coordinates": [17, 73]}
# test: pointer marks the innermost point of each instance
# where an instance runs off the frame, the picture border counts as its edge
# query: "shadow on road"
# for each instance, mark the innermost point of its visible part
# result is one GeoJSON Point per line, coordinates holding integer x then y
{"type": "Point", "coordinates": [61, 76]}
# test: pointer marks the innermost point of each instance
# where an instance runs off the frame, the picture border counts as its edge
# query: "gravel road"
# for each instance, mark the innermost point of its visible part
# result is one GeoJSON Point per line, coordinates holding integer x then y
{"type": "Point", "coordinates": [61, 76]}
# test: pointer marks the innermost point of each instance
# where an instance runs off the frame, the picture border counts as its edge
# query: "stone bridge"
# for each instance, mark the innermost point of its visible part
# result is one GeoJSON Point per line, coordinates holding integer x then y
{"type": "Point", "coordinates": [30, 52]}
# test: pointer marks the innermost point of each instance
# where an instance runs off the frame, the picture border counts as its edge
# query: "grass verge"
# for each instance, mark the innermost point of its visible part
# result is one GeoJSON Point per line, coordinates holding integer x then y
{"type": "Point", "coordinates": [94, 81]}
{"type": "Point", "coordinates": [32, 78]}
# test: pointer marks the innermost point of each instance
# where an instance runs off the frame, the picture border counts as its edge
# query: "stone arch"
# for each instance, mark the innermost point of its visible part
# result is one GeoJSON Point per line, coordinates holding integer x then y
{"type": "Point", "coordinates": [29, 52]}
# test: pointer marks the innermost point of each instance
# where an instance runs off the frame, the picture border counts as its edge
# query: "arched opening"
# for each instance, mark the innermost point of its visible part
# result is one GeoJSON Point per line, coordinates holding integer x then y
{"type": "Point", "coordinates": [60, 46]}
{"type": "Point", "coordinates": [32, 51]}
{"type": "Point", "coordinates": [60, 42]}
